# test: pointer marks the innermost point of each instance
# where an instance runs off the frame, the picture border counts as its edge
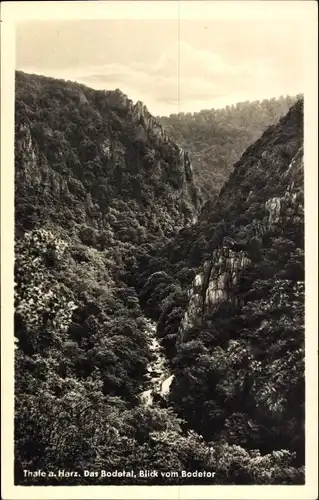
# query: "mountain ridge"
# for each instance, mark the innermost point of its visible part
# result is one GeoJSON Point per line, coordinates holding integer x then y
{"type": "Point", "coordinates": [121, 140]}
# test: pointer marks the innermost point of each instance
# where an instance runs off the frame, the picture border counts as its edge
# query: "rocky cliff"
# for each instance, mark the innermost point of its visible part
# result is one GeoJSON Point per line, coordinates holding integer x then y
{"type": "Point", "coordinates": [256, 209]}
{"type": "Point", "coordinates": [241, 338]}
{"type": "Point", "coordinates": [88, 159]}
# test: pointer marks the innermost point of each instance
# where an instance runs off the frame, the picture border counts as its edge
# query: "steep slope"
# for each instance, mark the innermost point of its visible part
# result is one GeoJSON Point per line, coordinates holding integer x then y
{"type": "Point", "coordinates": [240, 358]}
{"type": "Point", "coordinates": [94, 159]}
{"type": "Point", "coordinates": [217, 138]}
{"type": "Point", "coordinates": [96, 178]}
{"type": "Point", "coordinates": [269, 204]}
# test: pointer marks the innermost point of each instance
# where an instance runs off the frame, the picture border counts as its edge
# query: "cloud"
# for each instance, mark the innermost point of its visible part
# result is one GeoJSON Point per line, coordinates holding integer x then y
{"type": "Point", "coordinates": [204, 76]}
{"type": "Point", "coordinates": [203, 63]}
{"type": "Point", "coordinates": [183, 77]}
{"type": "Point", "coordinates": [180, 74]}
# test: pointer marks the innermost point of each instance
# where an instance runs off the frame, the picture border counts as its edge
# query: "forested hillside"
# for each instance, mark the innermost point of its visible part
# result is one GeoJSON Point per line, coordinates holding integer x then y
{"type": "Point", "coordinates": [96, 178]}
{"type": "Point", "coordinates": [217, 138]}
{"type": "Point", "coordinates": [235, 336]}
{"type": "Point", "coordinates": [106, 250]}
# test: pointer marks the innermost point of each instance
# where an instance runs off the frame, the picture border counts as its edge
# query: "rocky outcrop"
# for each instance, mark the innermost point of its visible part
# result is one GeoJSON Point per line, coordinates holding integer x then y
{"type": "Point", "coordinates": [148, 128]}
{"type": "Point", "coordinates": [242, 246]}
{"type": "Point", "coordinates": [239, 362]}
{"type": "Point", "coordinates": [72, 141]}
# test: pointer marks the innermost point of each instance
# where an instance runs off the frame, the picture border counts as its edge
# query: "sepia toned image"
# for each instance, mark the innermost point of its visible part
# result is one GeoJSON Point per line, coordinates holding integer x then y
{"type": "Point", "coordinates": [159, 247]}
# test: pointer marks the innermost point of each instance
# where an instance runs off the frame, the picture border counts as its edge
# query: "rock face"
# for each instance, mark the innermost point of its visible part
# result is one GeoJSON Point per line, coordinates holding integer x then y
{"type": "Point", "coordinates": [239, 362]}
{"type": "Point", "coordinates": [262, 199]}
{"type": "Point", "coordinates": [82, 153]}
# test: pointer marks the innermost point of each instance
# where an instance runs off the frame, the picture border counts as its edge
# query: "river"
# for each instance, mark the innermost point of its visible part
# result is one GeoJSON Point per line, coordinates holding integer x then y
{"type": "Point", "coordinates": [159, 377]}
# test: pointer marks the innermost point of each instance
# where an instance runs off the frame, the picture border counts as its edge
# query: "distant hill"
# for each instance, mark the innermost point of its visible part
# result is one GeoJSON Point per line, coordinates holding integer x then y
{"type": "Point", "coordinates": [217, 138]}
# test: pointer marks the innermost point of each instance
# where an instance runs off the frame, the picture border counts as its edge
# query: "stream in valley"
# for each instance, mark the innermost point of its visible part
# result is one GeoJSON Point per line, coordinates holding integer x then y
{"type": "Point", "coordinates": [159, 378]}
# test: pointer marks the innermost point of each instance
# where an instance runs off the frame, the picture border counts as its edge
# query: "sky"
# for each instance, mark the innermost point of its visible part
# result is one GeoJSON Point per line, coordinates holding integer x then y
{"type": "Point", "coordinates": [194, 57]}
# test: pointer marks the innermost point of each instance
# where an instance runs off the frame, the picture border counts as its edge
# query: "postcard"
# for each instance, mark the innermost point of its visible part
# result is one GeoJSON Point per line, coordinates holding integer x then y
{"type": "Point", "coordinates": [159, 237]}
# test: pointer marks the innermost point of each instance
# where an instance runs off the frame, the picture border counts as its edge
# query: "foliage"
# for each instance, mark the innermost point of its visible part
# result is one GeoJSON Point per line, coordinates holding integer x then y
{"type": "Point", "coordinates": [217, 138]}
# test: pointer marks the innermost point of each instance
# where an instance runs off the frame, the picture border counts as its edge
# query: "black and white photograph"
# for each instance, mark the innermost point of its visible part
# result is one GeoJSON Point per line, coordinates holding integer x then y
{"type": "Point", "coordinates": [159, 245]}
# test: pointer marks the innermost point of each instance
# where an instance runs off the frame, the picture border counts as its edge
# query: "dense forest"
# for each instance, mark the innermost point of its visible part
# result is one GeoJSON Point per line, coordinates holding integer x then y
{"type": "Point", "coordinates": [217, 138]}
{"type": "Point", "coordinates": [114, 245]}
